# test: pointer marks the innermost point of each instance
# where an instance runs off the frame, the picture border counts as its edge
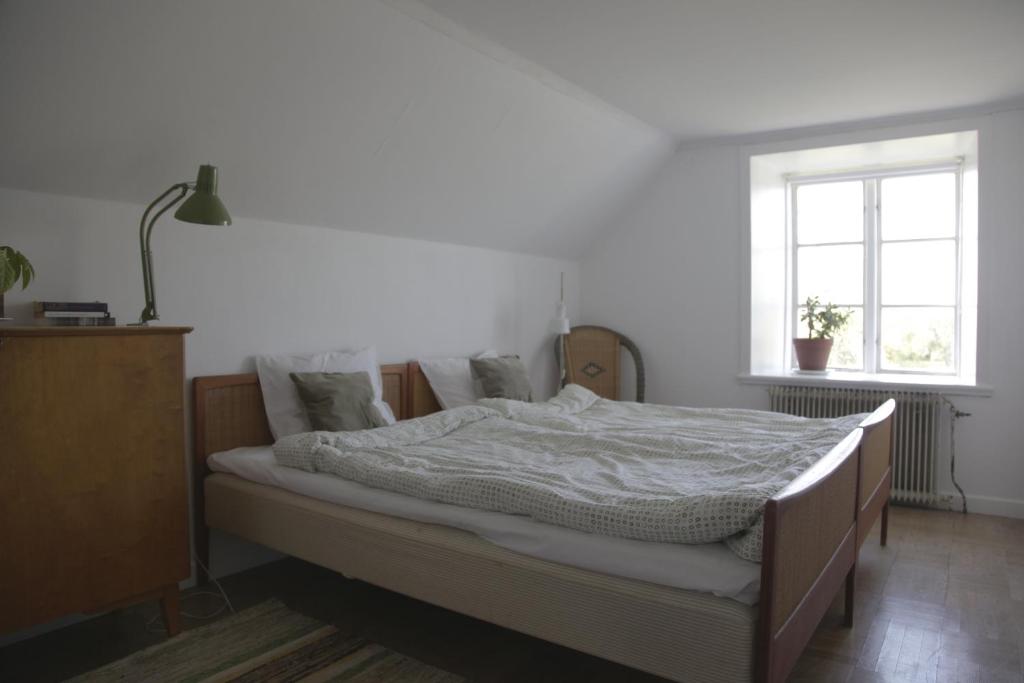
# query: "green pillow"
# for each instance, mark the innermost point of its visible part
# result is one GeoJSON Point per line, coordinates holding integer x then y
{"type": "Point", "coordinates": [503, 377]}
{"type": "Point", "coordinates": [338, 401]}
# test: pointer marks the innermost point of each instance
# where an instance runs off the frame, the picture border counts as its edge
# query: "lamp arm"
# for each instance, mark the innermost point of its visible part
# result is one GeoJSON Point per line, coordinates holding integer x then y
{"type": "Point", "coordinates": [145, 232]}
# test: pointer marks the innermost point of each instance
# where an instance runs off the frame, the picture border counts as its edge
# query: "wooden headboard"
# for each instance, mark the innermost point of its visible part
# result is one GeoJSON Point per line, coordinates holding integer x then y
{"type": "Point", "coordinates": [228, 413]}
{"type": "Point", "coordinates": [421, 397]}
{"type": "Point", "coordinates": [229, 410]}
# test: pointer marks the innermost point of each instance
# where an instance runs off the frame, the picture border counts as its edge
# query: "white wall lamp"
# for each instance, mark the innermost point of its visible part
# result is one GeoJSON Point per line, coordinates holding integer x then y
{"type": "Point", "coordinates": [560, 326]}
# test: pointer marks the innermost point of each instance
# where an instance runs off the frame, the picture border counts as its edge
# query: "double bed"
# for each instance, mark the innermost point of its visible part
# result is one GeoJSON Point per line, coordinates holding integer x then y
{"type": "Point", "coordinates": [619, 601]}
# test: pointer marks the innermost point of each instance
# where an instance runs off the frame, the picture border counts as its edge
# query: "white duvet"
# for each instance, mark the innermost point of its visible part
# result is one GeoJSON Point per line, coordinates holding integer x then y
{"type": "Point", "coordinates": [637, 471]}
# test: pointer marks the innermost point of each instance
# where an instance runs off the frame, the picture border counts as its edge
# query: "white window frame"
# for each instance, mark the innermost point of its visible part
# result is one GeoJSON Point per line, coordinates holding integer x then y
{"type": "Point", "coordinates": [872, 244]}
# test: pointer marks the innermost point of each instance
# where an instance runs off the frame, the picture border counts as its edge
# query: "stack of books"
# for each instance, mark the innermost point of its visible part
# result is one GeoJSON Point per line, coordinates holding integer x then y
{"type": "Point", "coordinates": [73, 314]}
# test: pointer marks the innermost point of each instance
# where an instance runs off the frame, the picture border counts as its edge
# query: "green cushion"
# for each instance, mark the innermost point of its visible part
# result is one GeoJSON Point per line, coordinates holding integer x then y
{"type": "Point", "coordinates": [503, 377]}
{"type": "Point", "coordinates": [338, 401]}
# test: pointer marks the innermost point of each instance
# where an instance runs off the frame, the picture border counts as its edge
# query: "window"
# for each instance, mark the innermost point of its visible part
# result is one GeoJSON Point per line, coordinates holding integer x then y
{"type": "Point", "coordinates": [886, 247]}
{"type": "Point", "coordinates": [886, 228]}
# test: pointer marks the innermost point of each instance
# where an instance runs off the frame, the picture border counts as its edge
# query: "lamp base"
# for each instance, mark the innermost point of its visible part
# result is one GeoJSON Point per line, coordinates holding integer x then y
{"type": "Point", "coordinates": [147, 316]}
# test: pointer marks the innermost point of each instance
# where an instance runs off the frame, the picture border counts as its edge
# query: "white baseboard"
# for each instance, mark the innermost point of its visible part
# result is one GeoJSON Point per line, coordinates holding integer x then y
{"type": "Point", "coordinates": [988, 505]}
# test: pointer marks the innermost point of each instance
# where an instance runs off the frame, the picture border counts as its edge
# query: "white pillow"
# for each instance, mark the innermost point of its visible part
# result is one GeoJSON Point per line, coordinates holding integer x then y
{"type": "Point", "coordinates": [285, 411]}
{"type": "Point", "coordinates": [452, 380]}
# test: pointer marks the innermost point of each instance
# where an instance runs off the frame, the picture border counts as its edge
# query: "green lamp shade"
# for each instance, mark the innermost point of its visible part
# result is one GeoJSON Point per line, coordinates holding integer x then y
{"type": "Point", "coordinates": [204, 206]}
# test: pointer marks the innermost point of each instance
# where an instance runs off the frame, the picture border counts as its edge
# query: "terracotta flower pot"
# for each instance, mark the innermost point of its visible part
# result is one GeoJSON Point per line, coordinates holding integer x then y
{"type": "Point", "coordinates": [812, 354]}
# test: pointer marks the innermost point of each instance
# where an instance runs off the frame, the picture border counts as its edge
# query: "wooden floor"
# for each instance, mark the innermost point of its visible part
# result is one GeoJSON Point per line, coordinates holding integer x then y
{"type": "Point", "coordinates": [943, 602]}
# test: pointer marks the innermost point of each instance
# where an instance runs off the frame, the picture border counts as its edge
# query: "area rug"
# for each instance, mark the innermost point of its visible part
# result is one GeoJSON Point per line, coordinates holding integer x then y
{"type": "Point", "coordinates": [268, 642]}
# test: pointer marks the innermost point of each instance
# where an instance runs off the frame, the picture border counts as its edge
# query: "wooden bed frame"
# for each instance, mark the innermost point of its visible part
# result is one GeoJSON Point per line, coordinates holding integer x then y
{"type": "Point", "coordinates": [812, 532]}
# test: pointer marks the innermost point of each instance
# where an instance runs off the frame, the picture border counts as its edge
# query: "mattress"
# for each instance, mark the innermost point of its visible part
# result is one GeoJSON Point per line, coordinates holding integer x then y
{"type": "Point", "coordinates": [710, 568]}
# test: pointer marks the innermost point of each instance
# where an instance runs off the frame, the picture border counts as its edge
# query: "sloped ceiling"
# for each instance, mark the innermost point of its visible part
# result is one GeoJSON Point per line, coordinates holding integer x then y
{"type": "Point", "coordinates": [713, 68]}
{"type": "Point", "coordinates": [356, 115]}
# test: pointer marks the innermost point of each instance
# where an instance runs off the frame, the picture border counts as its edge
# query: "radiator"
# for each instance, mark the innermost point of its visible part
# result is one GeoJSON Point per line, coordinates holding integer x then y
{"type": "Point", "coordinates": [916, 430]}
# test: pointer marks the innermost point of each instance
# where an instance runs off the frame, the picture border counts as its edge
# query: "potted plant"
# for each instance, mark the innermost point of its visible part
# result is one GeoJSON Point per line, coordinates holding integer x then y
{"type": "Point", "coordinates": [14, 267]}
{"type": "Point", "coordinates": [823, 324]}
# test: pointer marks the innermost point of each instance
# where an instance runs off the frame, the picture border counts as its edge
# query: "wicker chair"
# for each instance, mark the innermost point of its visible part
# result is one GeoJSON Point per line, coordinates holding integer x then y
{"type": "Point", "coordinates": [592, 359]}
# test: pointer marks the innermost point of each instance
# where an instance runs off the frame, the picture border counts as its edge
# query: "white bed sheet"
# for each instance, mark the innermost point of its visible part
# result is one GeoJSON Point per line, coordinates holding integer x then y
{"type": "Point", "coordinates": [710, 567]}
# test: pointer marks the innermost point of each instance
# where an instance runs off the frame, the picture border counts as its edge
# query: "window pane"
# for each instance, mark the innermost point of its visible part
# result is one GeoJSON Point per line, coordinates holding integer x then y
{"type": "Point", "coordinates": [915, 273]}
{"type": "Point", "coordinates": [834, 274]}
{"type": "Point", "coordinates": [918, 339]}
{"type": "Point", "coordinates": [830, 212]}
{"type": "Point", "coordinates": [848, 346]}
{"type": "Point", "coordinates": [919, 206]}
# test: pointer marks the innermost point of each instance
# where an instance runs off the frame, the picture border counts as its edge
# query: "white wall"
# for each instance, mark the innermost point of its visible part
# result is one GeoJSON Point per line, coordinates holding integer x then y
{"type": "Point", "coordinates": [257, 287]}
{"type": "Point", "coordinates": [670, 272]}
{"type": "Point", "coordinates": [354, 114]}
{"type": "Point", "coordinates": [400, 133]}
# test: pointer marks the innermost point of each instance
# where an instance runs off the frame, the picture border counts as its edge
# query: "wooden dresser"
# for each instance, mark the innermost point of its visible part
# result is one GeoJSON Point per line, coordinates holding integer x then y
{"type": "Point", "coordinates": [93, 498]}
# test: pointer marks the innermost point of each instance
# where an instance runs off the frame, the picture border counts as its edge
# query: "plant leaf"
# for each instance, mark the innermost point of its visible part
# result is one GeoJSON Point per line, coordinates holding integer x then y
{"type": "Point", "coordinates": [7, 274]}
{"type": "Point", "coordinates": [14, 267]}
{"type": "Point", "coordinates": [27, 272]}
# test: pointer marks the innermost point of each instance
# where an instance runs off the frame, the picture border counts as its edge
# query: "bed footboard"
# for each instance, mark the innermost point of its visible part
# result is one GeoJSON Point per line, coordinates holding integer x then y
{"type": "Point", "coordinates": [809, 553]}
{"type": "Point", "coordinates": [876, 471]}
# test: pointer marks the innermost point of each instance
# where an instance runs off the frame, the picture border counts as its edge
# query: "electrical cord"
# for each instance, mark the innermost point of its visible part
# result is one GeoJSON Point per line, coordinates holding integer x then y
{"type": "Point", "coordinates": [217, 584]}
{"type": "Point", "coordinates": [954, 415]}
{"type": "Point", "coordinates": [226, 605]}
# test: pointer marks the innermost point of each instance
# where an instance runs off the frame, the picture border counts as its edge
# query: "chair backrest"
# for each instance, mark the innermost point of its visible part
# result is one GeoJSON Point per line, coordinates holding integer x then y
{"type": "Point", "coordinates": [592, 359]}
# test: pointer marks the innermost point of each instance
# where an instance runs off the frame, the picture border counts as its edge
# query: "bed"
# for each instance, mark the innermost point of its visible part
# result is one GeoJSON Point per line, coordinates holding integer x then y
{"type": "Point", "coordinates": [812, 532]}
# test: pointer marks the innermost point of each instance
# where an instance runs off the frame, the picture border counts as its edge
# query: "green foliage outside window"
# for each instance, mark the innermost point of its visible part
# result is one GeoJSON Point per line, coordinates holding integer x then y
{"type": "Point", "coordinates": [921, 351]}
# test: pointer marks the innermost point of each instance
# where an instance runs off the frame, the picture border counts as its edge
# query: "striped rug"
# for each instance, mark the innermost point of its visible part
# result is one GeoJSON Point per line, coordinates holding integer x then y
{"type": "Point", "coordinates": [268, 642]}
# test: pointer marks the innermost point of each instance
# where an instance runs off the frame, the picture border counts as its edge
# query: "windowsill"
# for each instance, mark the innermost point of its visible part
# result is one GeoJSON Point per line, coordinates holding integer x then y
{"type": "Point", "coordinates": [943, 385]}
